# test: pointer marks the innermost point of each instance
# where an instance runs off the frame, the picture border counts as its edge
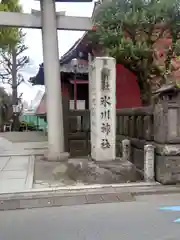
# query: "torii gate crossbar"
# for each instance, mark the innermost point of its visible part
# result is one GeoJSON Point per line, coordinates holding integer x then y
{"type": "Point", "coordinates": [25, 20]}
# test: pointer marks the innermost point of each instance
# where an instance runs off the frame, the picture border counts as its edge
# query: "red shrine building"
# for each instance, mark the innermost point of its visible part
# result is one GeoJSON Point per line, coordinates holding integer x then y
{"type": "Point", "coordinates": [74, 80]}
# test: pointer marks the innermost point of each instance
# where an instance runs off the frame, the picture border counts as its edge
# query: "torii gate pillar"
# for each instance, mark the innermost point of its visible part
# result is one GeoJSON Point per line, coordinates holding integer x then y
{"type": "Point", "coordinates": [52, 82]}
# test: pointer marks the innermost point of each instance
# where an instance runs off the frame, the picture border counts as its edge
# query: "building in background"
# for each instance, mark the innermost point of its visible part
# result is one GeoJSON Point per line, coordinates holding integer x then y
{"type": "Point", "coordinates": [29, 112]}
{"type": "Point", "coordinates": [36, 101]}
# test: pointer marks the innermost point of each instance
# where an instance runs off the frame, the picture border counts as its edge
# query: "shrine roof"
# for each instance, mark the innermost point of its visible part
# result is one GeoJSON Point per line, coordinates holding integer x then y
{"type": "Point", "coordinates": [79, 50]}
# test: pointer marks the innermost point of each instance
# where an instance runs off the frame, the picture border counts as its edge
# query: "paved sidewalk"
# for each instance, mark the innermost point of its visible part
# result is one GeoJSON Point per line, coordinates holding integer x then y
{"type": "Point", "coordinates": [16, 167]}
{"type": "Point", "coordinates": [5, 145]}
{"type": "Point", "coordinates": [19, 137]}
{"type": "Point", "coordinates": [8, 147]}
{"type": "Point", "coordinates": [16, 173]}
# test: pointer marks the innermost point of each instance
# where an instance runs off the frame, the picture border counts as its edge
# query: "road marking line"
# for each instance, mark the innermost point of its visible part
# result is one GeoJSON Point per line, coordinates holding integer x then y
{"type": "Point", "coordinates": [172, 209]}
{"type": "Point", "coordinates": [177, 220]}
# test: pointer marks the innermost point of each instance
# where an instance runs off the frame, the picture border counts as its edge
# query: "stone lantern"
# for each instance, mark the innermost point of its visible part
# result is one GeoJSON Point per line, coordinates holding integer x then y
{"type": "Point", "coordinates": [167, 115]}
{"type": "Point", "coordinates": [167, 134]}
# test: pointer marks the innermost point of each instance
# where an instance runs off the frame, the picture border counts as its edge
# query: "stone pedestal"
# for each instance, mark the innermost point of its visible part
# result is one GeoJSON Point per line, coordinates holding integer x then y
{"type": "Point", "coordinates": [167, 163]}
{"type": "Point", "coordinates": [103, 108]}
{"type": "Point", "coordinates": [104, 172]}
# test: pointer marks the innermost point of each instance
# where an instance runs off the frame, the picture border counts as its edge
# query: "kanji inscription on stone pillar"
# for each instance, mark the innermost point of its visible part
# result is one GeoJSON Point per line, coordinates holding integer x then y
{"type": "Point", "coordinates": [103, 108]}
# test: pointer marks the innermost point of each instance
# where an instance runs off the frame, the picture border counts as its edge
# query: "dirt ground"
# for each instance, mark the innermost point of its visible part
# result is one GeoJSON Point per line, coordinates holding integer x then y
{"type": "Point", "coordinates": [43, 169]}
{"type": "Point", "coordinates": [44, 175]}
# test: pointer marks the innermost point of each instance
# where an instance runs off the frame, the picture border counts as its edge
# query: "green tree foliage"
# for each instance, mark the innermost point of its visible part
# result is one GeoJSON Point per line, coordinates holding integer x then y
{"type": "Point", "coordinates": [127, 30]}
{"type": "Point", "coordinates": [9, 36]}
{"type": "Point", "coordinates": [5, 107]}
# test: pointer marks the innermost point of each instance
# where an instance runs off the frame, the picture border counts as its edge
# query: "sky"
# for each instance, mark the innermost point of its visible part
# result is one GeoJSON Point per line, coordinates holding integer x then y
{"type": "Point", "coordinates": [34, 41]}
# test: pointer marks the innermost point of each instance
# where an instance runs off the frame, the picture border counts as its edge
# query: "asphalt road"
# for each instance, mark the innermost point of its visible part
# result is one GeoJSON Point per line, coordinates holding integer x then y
{"type": "Point", "coordinates": [141, 220]}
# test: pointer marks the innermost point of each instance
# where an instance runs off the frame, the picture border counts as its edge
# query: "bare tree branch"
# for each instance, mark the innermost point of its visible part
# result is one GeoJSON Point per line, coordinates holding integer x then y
{"type": "Point", "coordinates": [21, 49]}
{"type": "Point", "coordinates": [9, 69]}
{"type": "Point", "coordinates": [21, 62]}
{"type": "Point", "coordinates": [7, 63]}
{"type": "Point", "coordinates": [20, 79]}
{"type": "Point", "coordinates": [20, 96]}
{"type": "Point", "coordinates": [9, 81]}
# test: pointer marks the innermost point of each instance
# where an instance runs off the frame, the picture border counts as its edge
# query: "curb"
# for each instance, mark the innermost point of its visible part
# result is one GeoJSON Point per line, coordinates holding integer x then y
{"type": "Point", "coordinates": [30, 173]}
{"type": "Point", "coordinates": [64, 200]}
{"type": "Point", "coordinates": [70, 197]}
{"type": "Point", "coordinates": [78, 188]}
{"type": "Point", "coordinates": [161, 190]}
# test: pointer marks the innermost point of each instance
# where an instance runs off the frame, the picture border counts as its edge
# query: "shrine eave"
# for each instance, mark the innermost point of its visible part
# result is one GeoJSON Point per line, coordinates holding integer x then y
{"type": "Point", "coordinates": [65, 69]}
{"type": "Point", "coordinates": [78, 50]}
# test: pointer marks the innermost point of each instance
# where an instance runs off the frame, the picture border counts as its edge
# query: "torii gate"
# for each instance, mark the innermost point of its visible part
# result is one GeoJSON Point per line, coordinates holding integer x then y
{"type": "Point", "coordinates": [49, 21]}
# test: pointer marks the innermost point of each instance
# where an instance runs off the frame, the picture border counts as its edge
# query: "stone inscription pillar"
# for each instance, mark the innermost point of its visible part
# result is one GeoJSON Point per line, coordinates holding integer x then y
{"type": "Point", "coordinates": [103, 108]}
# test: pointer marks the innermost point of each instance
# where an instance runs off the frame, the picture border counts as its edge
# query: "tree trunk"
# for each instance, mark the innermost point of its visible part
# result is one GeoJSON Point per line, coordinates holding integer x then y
{"type": "Point", "coordinates": [145, 89]}
{"type": "Point", "coordinates": [15, 125]}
